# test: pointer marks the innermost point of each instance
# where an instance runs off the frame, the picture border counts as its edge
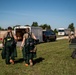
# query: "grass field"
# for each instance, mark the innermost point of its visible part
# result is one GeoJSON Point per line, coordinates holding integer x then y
{"type": "Point", "coordinates": [53, 58]}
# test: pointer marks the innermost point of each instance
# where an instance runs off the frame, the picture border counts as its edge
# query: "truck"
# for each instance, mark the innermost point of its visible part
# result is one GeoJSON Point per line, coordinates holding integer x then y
{"type": "Point", "coordinates": [19, 31]}
{"type": "Point", "coordinates": [63, 31]}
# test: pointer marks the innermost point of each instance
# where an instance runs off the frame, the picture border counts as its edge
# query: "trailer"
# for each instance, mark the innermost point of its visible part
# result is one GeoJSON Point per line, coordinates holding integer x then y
{"type": "Point", "coordinates": [19, 31]}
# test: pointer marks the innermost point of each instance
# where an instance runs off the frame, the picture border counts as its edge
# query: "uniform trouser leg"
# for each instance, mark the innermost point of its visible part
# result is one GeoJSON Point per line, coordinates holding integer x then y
{"type": "Point", "coordinates": [28, 57]}
{"type": "Point", "coordinates": [15, 51]}
{"type": "Point", "coordinates": [7, 55]}
{"type": "Point", "coordinates": [12, 53]}
{"type": "Point", "coordinates": [25, 54]}
{"type": "Point", "coordinates": [31, 56]}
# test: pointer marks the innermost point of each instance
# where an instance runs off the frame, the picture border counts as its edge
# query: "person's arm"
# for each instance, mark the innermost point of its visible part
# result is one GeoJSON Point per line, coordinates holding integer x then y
{"type": "Point", "coordinates": [69, 39]}
{"type": "Point", "coordinates": [15, 38]}
{"type": "Point", "coordinates": [3, 39]}
{"type": "Point", "coordinates": [22, 44]}
{"type": "Point", "coordinates": [34, 37]}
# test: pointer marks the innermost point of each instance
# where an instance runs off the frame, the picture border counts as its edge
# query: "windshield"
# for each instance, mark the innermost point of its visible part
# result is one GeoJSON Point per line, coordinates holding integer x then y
{"type": "Point", "coordinates": [48, 33]}
{"type": "Point", "coordinates": [60, 30]}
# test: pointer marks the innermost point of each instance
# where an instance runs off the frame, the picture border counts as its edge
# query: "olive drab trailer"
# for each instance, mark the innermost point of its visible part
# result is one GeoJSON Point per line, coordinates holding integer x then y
{"type": "Point", "coordinates": [20, 31]}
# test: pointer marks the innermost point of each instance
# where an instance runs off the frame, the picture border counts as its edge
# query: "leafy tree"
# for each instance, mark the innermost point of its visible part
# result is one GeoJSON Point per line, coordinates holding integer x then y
{"type": "Point", "coordinates": [35, 24]}
{"type": "Point", "coordinates": [41, 26]}
{"type": "Point", "coordinates": [13, 27]}
{"type": "Point", "coordinates": [0, 28]}
{"type": "Point", "coordinates": [45, 26]}
{"type": "Point", "coordinates": [26, 25]}
{"type": "Point", "coordinates": [55, 30]}
{"type": "Point", "coordinates": [48, 27]}
{"type": "Point", "coordinates": [17, 25]}
{"type": "Point", "coordinates": [71, 26]}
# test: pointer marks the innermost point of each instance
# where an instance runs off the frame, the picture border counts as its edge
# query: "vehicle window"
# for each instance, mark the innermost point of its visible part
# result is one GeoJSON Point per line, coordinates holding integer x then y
{"type": "Point", "coordinates": [60, 30]}
{"type": "Point", "coordinates": [48, 33]}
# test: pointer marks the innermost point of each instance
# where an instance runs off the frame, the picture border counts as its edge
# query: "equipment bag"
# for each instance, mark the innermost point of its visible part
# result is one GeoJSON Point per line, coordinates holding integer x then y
{"type": "Point", "coordinates": [29, 43]}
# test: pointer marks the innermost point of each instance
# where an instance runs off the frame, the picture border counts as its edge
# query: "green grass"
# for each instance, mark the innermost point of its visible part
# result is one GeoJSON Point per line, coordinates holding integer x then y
{"type": "Point", "coordinates": [53, 58]}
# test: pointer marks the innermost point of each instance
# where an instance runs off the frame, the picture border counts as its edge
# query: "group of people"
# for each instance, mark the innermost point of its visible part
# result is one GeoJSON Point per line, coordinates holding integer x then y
{"type": "Point", "coordinates": [28, 48]}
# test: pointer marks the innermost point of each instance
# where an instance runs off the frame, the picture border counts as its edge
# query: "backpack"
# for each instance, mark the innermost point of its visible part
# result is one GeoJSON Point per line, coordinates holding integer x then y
{"type": "Point", "coordinates": [29, 42]}
{"type": "Point", "coordinates": [9, 40]}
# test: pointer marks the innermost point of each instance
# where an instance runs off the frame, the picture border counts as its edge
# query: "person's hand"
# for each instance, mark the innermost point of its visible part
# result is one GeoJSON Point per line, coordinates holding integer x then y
{"type": "Point", "coordinates": [2, 45]}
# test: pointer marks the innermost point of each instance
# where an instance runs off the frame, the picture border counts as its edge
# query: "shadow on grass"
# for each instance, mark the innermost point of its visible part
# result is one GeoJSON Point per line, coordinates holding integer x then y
{"type": "Point", "coordinates": [38, 60]}
{"type": "Point", "coordinates": [19, 60]}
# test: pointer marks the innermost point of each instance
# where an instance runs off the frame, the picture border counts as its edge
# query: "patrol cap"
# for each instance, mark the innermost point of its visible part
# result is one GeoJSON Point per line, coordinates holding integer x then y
{"type": "Point", "coordinates": [9, 28]}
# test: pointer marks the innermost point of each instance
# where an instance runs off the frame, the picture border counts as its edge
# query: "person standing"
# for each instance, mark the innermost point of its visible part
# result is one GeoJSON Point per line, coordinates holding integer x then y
{"type": "Point", "coordinates": [71, 36]}
{"type": "Point", "coordinates": [9, 43]}
{"type": "Point", "coordinates": [28, 47]}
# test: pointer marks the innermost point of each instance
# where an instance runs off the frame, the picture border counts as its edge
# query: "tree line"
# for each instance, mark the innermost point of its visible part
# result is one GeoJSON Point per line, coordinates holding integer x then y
{"type": "Point", "coordinates": [44, 26]}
